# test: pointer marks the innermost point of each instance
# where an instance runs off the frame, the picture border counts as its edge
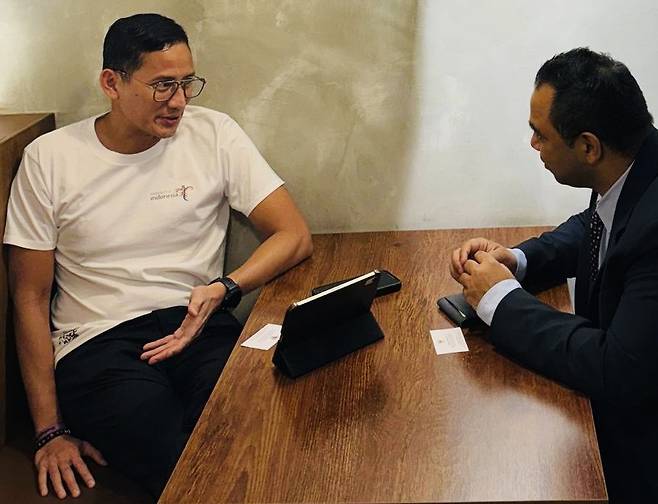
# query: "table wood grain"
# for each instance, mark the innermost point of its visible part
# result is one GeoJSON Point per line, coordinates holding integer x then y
{"type": "Point", "coordinates": [392, 422]}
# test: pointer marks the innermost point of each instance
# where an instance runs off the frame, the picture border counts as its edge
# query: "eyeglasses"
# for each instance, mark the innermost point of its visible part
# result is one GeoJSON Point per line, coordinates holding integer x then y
{"type": "Point", "coordinates": [164, 90]}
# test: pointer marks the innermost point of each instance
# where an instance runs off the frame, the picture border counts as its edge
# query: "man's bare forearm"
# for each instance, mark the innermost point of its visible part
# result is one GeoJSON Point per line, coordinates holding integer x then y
{"type": "Point", "coordinates": [35, 354]}
{"type": "Point", "coordinates": [278, 253]}
{"type": "Point", "coordinates": [31, 274]}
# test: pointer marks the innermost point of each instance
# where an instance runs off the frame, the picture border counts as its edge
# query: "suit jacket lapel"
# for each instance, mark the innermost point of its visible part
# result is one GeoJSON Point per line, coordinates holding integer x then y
{"type": "Point", "coordinates": [643, 172]}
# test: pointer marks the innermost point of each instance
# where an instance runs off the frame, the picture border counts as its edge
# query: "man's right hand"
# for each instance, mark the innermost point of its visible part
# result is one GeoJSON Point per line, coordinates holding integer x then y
{"type": "Point", "coordinates": [56, 460]}
{"type": "Point", "coordinates": [469, 248]}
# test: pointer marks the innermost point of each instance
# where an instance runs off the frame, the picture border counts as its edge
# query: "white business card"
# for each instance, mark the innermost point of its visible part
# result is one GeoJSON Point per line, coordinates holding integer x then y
{"type": "Point", "coordinates": [447, 341]}
{"type": "Point", "coordinates": [265, 338]}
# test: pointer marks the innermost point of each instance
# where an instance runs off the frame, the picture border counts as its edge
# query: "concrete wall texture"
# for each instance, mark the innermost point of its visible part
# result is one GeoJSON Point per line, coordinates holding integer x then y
{"type": "Point", "coordinates": [390, 114]}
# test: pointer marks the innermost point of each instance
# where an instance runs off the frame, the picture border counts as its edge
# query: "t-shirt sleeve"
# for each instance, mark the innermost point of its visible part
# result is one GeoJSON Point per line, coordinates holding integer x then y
{"type": "Point", "coordinates": [30, 216]}
{"type": "Point", "coordinates": [249, 178]}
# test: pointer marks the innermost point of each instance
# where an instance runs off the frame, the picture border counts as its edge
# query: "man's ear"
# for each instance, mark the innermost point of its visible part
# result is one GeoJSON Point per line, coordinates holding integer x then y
{"type": "Point", "coordinates": [108, 80]}
{"type": "Point", "coordinates": [589, 148]}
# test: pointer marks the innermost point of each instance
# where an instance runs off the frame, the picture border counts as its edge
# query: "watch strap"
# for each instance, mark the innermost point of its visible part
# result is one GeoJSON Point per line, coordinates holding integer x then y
{"type": "Point", "coordinates": [233, 294]}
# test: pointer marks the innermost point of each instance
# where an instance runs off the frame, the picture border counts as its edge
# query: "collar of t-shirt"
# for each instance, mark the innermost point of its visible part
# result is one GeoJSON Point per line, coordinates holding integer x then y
{"type": "Point", "coordinates": [606, 205]}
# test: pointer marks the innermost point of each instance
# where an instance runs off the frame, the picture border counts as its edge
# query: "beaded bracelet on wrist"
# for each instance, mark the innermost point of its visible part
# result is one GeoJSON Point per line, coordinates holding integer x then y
{"type": "Point", "coordinates": [43, 439]}
{"type": "Point", "coordinates": [52, 428]}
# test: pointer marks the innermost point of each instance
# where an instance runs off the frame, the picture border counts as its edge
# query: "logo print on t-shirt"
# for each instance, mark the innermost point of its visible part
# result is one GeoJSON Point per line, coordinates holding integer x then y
{"type": "Point", "coordinates": [67, 336]}
{"type": "Point", "coordinates": [184, 191]}
{"type": "Point", "coordinates": [179, 192]}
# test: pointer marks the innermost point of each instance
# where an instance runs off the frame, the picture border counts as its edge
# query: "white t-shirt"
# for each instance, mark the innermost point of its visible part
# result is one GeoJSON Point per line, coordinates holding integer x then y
{"type": "Point", "coordinates": [132, 232]}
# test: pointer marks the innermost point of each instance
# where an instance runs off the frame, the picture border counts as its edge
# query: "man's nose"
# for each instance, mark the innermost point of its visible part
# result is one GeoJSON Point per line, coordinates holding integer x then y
{"type": "Point", "coordinates": [178, 99]}
{"type": "Point", "coordinates": [534, 142]}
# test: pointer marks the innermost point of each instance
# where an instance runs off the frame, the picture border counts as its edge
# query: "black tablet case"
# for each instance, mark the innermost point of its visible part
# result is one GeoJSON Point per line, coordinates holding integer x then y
{"type": "Point", "coordinates": [326, 328]}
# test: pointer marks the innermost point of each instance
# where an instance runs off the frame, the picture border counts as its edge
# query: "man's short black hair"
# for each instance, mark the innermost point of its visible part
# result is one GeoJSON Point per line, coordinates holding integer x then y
{"type": "Point", "coordinates": [130, 37]}
{"type": "Point", "coordinates": [595, 93]}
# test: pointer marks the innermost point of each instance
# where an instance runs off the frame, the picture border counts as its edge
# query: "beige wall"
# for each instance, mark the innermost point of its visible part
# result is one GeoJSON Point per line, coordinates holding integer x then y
{"type": "Point", "coordinates": [325, 89]}
{"type": "Point", "coordinates": [380, 114]}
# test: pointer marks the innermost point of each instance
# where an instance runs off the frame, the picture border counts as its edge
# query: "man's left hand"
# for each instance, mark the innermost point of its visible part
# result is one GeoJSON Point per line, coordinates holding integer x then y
{"type": "Point", "coordinates": [480, 274]}
{"type": "Point", "coordinates": [204, 301]}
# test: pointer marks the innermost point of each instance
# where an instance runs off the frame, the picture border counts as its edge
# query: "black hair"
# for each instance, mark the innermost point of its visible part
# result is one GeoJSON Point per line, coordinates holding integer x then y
{"type": "Point", "coordinates": [129, 38]}
{"type": "Point", "coordinates": [595, 93]}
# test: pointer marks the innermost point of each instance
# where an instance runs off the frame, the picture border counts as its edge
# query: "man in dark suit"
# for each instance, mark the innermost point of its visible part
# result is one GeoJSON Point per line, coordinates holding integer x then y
{"type": "Point", "coordinates": [592, 129]}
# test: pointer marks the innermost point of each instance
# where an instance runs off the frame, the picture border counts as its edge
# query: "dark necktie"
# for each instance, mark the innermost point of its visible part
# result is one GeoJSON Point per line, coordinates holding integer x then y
{"type": "Point", "coordinates": [595, 230]}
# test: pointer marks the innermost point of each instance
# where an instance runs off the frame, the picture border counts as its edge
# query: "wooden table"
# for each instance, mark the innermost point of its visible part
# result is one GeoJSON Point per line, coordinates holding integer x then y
{"type": "Point", "coordinates": [392, 422]}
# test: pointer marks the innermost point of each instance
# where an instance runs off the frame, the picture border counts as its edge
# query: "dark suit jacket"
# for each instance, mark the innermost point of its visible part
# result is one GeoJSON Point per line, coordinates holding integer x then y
{"type": "Point", "coordinates": [609, 349]}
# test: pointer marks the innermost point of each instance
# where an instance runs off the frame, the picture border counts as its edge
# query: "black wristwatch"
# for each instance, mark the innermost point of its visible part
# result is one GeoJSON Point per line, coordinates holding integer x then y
{"type": "Point", "coordinates": [233, 292]}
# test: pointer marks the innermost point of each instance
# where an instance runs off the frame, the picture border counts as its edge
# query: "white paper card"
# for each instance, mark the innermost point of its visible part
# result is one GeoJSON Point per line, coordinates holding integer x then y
{"type": "Point", "coordinates": [265, 338]}
{"type": "Point", "coordinates": [448, 341]}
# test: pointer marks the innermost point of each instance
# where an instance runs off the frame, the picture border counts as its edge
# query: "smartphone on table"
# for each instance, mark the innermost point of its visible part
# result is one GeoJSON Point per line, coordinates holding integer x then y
{"type": "Point", "coordinates": [387, 283]}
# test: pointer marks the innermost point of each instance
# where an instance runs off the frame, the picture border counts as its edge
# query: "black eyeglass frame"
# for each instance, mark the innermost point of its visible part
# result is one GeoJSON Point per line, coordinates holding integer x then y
{"type": "Point", "coordinates": [178, 83]}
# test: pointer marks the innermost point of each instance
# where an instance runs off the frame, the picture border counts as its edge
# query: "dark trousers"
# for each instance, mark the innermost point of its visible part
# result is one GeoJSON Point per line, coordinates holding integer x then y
{"type": "Point", "coordinates": [139, 415]}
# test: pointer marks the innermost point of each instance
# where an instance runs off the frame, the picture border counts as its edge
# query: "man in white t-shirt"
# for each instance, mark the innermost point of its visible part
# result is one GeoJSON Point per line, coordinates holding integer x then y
{"type": "Point", "coordinates": [123, 218]}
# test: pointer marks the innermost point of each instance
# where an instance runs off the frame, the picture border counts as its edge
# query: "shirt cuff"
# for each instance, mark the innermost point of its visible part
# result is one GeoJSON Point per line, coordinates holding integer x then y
{"type": "Point", "coordinates": [521, 264]}
{"type": "Point", "coordinates": [492, 298]}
